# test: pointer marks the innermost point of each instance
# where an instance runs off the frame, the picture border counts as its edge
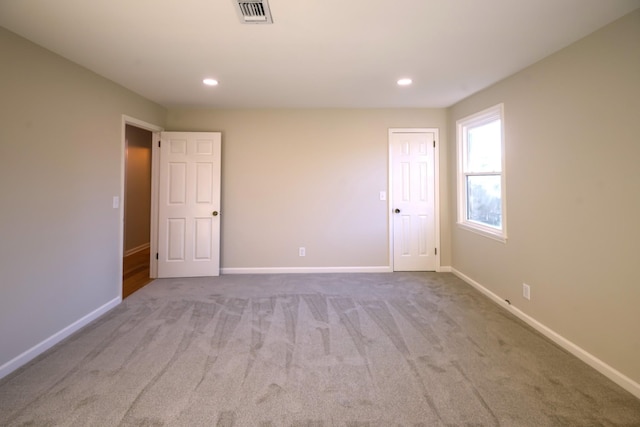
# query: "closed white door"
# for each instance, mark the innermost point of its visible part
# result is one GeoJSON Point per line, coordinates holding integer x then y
{"type": "Point", "coordinates": [413, 201]}
{"type": "Point", "coordinates": [189, 204]}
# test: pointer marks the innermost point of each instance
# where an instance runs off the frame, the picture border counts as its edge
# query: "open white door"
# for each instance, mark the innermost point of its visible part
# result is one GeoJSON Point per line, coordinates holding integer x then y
{"type": "Point", "coordinates": [413, 200]}
{"type": "Point", "coordinates": [189, 204]}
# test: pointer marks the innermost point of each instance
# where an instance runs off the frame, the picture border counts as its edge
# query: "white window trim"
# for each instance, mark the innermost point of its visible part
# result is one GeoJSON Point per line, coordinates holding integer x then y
{"type": "Point", "coordinates": [477, 119]}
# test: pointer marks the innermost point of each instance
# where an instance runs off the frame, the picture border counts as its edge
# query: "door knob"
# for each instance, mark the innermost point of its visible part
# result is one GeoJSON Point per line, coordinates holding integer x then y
{"type": "Point", "coordinates": [215, 213]}
{"type": "Point", "coordinates": [397, 210]}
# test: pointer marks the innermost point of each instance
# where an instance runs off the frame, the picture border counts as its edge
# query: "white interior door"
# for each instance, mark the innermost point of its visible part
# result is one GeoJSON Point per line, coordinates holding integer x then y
{"type": "Point", "coordinates": [189, 204]}
{"type": "Point", "coordinates": [413, 200]}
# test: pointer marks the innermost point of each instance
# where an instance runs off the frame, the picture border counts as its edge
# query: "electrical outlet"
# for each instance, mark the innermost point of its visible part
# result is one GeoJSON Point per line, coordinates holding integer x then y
{"type": "Point", "coordinates": [526, 291]}
{"type": "Point", "coordinates": [302, 251]}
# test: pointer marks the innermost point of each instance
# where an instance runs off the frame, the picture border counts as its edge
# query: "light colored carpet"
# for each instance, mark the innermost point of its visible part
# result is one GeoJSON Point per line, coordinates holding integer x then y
{"type": "Point", "coordinates": [353, 350]}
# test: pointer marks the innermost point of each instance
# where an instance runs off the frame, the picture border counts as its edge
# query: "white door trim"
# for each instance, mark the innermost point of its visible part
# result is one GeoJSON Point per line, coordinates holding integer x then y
{"type": "Point", "coordinates": [127, 120]}
{"type": "Point", "coordinates": [436, 162]}
{"type": "Point", "coordinates": [155, 206]}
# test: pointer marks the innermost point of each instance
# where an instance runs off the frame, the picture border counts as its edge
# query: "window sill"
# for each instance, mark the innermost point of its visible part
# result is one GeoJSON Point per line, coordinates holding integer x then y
{"type": "Point", "coordinates": [484, 231]}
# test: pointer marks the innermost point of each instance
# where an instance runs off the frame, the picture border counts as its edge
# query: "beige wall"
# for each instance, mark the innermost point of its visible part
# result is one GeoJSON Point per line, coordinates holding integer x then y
{"type": "Point", "coordinates": [137, 206]}
{"type": "Point", "coordinates": [309, 178]}
{"type": "Point", "coordinates": [60, 167]}
{"type": "Point", "coordinates": [573, 194]}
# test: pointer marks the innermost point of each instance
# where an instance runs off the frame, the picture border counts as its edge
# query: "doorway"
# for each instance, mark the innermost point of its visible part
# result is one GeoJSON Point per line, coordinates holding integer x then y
{"type": "Point", "coordinates": [137, 209]}
{"type": "Point", "coordinates": [413, 185]}
{"type": "Point", "coordinates": [136, 239]}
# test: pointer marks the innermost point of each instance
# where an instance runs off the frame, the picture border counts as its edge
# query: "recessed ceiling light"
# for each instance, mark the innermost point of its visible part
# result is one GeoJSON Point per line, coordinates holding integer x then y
{"type": "Point", "coordinates": [404, 82]}
{"type": "Point", "coordinates": [210, 82]}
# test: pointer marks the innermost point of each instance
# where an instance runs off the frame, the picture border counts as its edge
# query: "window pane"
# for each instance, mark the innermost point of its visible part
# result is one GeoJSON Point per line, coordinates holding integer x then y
{"type": "Point", "coordinates": [484, 202]}
{"type": "Point", "coordinates": [484, 148]}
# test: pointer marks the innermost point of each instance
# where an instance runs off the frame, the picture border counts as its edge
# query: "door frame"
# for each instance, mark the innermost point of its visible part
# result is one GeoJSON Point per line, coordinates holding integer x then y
{"type": "Point", "coordinates": [155, 129]}
{"type": "Point", "coordinates": [436, 189]}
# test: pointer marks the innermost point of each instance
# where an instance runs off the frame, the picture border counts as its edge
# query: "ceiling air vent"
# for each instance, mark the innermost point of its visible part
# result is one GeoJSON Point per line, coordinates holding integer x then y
{"type": "Point", "coordinates": [254, 11]}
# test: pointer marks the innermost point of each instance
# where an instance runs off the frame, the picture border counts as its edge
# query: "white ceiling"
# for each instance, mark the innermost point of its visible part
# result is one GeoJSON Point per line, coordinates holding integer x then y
{"type": "Point", "coordinates": [317, 53]}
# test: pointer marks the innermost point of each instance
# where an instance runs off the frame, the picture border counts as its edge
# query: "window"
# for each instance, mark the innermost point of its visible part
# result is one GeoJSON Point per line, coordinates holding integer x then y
{"type": "Point", "coordinates": [481, 183]}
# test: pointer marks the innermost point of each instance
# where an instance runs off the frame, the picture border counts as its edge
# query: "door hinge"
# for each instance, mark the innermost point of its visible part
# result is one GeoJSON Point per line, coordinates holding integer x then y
{"type": "Point", "coordinates": [158, 144]}
{"type": "Point", "coordinates": [436, 251]}
{"type": "Point", "coordinates": [157, 255]}
{"type": "Point", "coordinates": [434, 144]}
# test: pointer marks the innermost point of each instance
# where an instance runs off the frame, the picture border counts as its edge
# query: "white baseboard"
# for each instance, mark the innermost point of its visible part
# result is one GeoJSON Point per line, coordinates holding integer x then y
{"type": "Point", "coordinates": [54, 339]}
{"type": "Point", "coordinates": [613, 374]}
{"type": "Point", "coordinates": [136, 249]}
{"type": "Point", "coordinates": [305, 270]}
{"type": "Point", "coordinates": [444, 269]}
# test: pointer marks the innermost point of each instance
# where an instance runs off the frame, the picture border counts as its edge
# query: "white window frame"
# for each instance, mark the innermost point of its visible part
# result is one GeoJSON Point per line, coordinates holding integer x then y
{"type": "Point", "coordinates": [462, 127]}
